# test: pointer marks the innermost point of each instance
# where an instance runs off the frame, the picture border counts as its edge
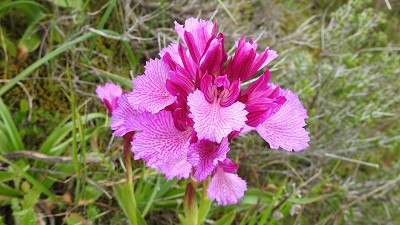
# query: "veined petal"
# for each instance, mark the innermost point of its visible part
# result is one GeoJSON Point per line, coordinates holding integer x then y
{"type": "Point", "coordinates": [109, 95]}
{"type": "Point", "coordinates": [228, 165]}
{"type": "Point", "coordinates": [207, 88]}
{"type": "Point", "coordinates": [160, 140]}
{"type": "Point", "coordinates": [227, 188]}
{"type": "Point", "coordinates": [204, 156]}
{"type": "Point", "coordinates": [150, 90]}
{"type": "Point", "coordinates": [126, 118]}
{"type": "Point", "coordinates": [202, 31]}
{"type": "Point", "coordinates": [262, 100]}
{"type": "Point", "coordinates": [173, 53]}
{"type": "Point", "coordinates": [230, 95]}
{"type": "Point", "coordinates": [285, 128]}
{"type": "Point", "coordinates": [177, 167]}
{"type": "Point", "coordinates": [271, 56]}
{"type": "Point", "coordinates": [215, 56]}
{"type": "Point", "coordinates": [211, 120]}
{"type": "Point", "coordinates": [191, 45]}
{"type": "Point", "coordinates": [222, 81]}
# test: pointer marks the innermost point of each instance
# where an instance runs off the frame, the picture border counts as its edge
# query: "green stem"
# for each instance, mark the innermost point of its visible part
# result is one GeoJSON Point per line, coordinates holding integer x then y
{"type": "Point", "coordinates": [205, 203]}
{"type": "Point", "coordinates": [190, 204]}
{"type": "Point", "coordinates": [129, 178]}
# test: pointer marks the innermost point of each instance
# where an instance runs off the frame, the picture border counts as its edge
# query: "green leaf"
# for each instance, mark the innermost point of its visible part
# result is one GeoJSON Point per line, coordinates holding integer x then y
{"type": "Point", "coordinates": [23, 105]}
{"type": "Point", "coordinates": [126, 200]}
{"type": "Point", "coordinates": [77, 4]}
{"type": "Point", "coordinates": [30, 9]}
{"type": "Point", "coordinates": [31, 179]}
{"type": "Point", "coordinates": [10, 130]}
{"type": "Point", "coordinates": [7, 191]}
{"type": "Point", "coordinates": [6, 176]}
{"type": "Point", "coordinates": [6, 42]}
{"type": "Point", "coordinates": [226, 219]}
{"type": "Point", "coordinates": [28, 214]}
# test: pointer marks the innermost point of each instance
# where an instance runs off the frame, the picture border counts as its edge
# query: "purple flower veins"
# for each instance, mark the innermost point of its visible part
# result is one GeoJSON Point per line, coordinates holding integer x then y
{"type": "Point", "coordinates": [188, 105]}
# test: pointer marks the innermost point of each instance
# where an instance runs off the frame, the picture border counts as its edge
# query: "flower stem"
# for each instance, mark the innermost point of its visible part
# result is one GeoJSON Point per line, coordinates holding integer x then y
{"type": "Point", "coordinates": [190, 204]}
{"type": "Point", "coordinates": [205, 203]}
{"type": "Point", "coordinates": [129, 178]}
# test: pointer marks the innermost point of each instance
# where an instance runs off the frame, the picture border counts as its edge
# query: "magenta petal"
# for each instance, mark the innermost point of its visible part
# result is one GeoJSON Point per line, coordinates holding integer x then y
{"type": "Point", "coordinates": [228, 165]}
{"type": "Point", "coordinates": [207, 87]}
{"type": "Point", "coordinates": [242, 62]}
{"type": "Point", "coordinates": [222, 81]}
{"type": "Point", "coordinates": [271, 56]}
{"type": "Point", "coordinates": [214, 57]}
{"type": "Point", "coordinates": [230, 95]}
{"type": "Point", "coordinates": [202, 31]}
{"type": "Point", "coordinates": [204, 156]}
{"type": "Point", "coordinates": [126, 118]}
{"type": "Point", "coordinates": [177, 167]}
{"type": "Point", "coordinates": [109, 95]}
{"type": "Point", "coordinates": [180, 85]}
{"type": "Point", "coordinates": [160, 140]}
{"type": "Point", "coordinates": [226, 188]}
{"type": "Point", "coordinates": [173, 54]}
{"type": "Point", "coordinates": [285, 128]}
{"type": "Point", "coordinates": [262, 100]}
{"type": "Point", "coordinates": [211, 120]}
{"type": "Point", "coordinates": [150, 90]}
{"type": "Point", "coordinates": [190, 42]}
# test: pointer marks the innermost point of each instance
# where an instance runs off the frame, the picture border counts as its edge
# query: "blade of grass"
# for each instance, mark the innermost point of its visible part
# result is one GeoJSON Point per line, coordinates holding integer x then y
{"type": "Point", "coordinates": [43, 60]}
{"type": "Point", "coordinates": [7, 191]}
{"type": "Point", "coordinates": [32, 180]}
{"type": "Point", "coordinates": [151, 199]}
{"type": "Point", "coordinates": [114, 77]}
{"type": "Point", "coordinates": [11, 130]}
{"type": "Point", "coordinates": [226, 219]}
{"type": "Point", "coordinates": [4, 140]}
{"type": "Point", "coordinates": [267, 212]}
{"type": "Point", "coordinates": [8, 5]}
{"type": "Point", "coordinates": [81, 131]}
{"type": "Point", "coordinates": [60, 132]}
{"type": "Point", "coordinates": [103, 20]}
{"type": "Point", "coordinates": [74, 152]}
{"type": "Point", "coordinates": [228, 12]}
{"type": "Point", "coordinates": [124, 197]}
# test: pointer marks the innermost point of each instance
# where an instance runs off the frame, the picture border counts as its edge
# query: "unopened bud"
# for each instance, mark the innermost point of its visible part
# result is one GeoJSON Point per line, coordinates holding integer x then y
{"type": "Point", "coordinates": [190, 205]}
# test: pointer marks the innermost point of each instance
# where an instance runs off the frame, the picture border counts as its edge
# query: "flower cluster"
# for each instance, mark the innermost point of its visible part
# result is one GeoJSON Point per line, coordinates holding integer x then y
{"type": "Point", "coordinates": [188, 106]}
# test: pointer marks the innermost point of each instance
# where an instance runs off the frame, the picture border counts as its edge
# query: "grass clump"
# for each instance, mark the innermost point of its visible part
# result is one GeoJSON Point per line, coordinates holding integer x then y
{"type": "Point", "coordinates": [342, 58]}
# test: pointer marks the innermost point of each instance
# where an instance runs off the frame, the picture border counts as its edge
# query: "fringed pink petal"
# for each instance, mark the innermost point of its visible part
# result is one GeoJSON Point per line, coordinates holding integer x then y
{"type": "Point", "coordinates": [175, 167]}
{"type": "Point", "coordinates": [160, 140]}
{"type": "Point", "coordinates": [285, 128]}
{"type": "Point", "coordinates": [150, 90]}
{"type": "Point", "coordinates": [227, 188]}
{"type": "Point", "coordinates": [211, 120]}
{"type": "Point", "coordinates": [126, 118]}
{"type": "Point", "coordinates": [204, 156]}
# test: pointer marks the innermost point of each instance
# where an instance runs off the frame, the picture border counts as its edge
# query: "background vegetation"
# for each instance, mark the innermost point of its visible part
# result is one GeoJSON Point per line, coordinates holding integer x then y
{"type": "Point", "coordinates": [59, 164]}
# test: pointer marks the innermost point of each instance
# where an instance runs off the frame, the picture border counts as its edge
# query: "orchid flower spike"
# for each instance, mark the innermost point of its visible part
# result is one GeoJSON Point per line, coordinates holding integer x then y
{"type": "Point", "coordinates": [188, 106]}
